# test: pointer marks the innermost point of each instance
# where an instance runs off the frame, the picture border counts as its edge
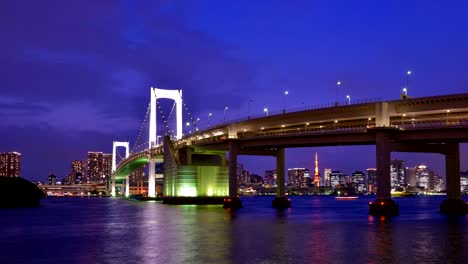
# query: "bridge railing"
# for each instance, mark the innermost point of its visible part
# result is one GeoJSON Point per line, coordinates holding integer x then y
{"type": "Point", "coordinates": [304, 108]}
{"type": "Point", "coordinates": [337, 130]}
{"type": "Point", "coordinates": [223, 125]}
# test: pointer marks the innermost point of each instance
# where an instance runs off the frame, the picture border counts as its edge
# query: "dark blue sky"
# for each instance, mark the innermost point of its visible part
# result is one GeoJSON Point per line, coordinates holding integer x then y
{"type": "Point", "coordinates": [76, 75]}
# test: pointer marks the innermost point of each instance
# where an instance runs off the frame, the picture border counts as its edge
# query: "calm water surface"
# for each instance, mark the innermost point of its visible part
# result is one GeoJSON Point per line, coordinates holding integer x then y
{"type": "Point", "coordinates": [315, 230]}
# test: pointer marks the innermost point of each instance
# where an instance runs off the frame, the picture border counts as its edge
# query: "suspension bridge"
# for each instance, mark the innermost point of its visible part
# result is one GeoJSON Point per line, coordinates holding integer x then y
{"type": "Point", "coordinates": [201, 167]}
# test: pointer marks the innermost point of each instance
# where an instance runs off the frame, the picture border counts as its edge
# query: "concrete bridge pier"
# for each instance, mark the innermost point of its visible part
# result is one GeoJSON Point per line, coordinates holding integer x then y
{"type": "Point", "coordinates": [384, 205]}
{"type": "Point", "coordinates": [280, 201]}
{"type": "Point", "coordinates": [113, 185]}
{"type": "Point", "coordinates": [127, 186]}
{"type": "Point", "coordinates": [233, 200]}
{"type": "Point", "coordinates": [453, 205]}
{"type": "Point", "coordinates": [151, 178]}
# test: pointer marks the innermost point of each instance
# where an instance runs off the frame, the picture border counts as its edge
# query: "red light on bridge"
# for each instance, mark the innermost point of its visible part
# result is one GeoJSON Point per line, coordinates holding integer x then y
{"type": "Point", "coordinates": [381, 203]}
{"type": "Point", "coordinates": [370, 202]}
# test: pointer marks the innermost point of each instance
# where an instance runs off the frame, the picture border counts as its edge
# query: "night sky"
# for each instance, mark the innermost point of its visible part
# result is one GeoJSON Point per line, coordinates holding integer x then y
{"type": "Point", "coordinates": [75, 75]}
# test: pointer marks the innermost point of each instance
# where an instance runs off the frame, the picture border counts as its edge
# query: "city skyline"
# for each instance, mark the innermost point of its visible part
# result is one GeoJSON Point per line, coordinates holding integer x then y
{"type": "Point", "coordinates": [61, 95]}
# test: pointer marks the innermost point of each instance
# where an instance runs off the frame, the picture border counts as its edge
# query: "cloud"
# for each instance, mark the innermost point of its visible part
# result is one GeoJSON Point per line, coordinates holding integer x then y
{"type": "Point", "coordinates": [69, 117]}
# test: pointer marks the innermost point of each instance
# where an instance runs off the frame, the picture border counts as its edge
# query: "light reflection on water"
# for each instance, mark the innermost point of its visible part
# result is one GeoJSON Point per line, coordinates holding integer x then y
{"type": "Point", "coordinates": [315, 229]}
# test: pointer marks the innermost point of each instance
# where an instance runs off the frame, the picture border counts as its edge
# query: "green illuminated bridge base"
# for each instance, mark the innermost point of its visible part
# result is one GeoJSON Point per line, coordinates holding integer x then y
{"type": "Point", "coordinates": [189, 177]}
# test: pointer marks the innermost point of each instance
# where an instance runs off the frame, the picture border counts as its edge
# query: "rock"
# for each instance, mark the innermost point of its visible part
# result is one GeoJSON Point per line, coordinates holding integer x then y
{"type": "Point", "coordinates": [18, 192]}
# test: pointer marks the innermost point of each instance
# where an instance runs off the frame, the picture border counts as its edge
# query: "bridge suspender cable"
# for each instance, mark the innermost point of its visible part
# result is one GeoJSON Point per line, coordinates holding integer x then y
{"type": "Point", "coordinates": [192, 121]}
{"type": "Point", "coordinates": [141, 128]}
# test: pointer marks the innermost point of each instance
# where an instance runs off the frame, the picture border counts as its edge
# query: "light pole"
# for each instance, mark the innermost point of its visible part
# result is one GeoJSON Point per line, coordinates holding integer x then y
{"type": "Point", "coordinates": [403, 119]}
{"type": "Point", "coordinates": [157, 140]}
{"type": "Point", "coordinates": [408, 74]}
{"type": "Point", "coordinates": [265, 110]}
{"type": "Point", "coordinates": [349, 98]}
{"type": "Point", "coordinates": [209, 115]}
{"type": "Point", "coordinates": [338, 83]}
{"type": "Point", "coordinates": [334, 124]}
{"type": "Point", "coordinates": [284, 101]}
{"type": "Point", "coordinates": [224, 118]}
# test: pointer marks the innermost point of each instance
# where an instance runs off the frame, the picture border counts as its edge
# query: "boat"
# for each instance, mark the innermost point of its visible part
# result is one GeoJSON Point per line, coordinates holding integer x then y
{"type": "Point", "coordinates": [402, 194]}
{"type": "Point", "coordinates": [248, 191]}
{"type": "Point", "coordinates": [346, 197]}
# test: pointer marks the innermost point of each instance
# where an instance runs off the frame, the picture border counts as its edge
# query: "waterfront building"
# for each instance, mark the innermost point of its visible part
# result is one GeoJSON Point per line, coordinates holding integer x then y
{"type": "Point", "coordinates": [439, 184]}
{"type": "Point", "coordinates": [106, 165]}
{"type": "Point", "coordinates": [269, 177]}
{"type": "Point", "coordinates": [297, 177]}
{"type": "Point", "coordinates": [326, 177]}
{"type": "Point", "coordinates": [94, 166]}
{"type": "Point", "coordinates": [372, 180]}
{"type": "Point", "coordinates": [464, 181]}
{"type": "Point", "coordinates": [10, 164]}
{"type": "Point", "coordinates": [256, 179]}
{"type": "Point", "coordinates": [137, 176]}
{"type": "Point", "coordinates": [245, 177]}
{"type": "Point", "coordinates": [77, 173]}
{"type": "Point", "coordinates": [99, 167]}
{"type": "Point", "coordinates": [397, 174]}
{"type": "Point", "coordinates": [411, 179]}
{"type": "Point", "coordinates": [358, 181]}
{"type": "Point", "coordinates": [52, 179]}
{"type": "Point", "coordinates": [336, 179]}
{"type": "Point", "coordinates": [422, 176]}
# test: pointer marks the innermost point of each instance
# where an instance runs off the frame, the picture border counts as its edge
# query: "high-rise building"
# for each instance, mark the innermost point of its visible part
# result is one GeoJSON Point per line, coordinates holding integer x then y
{"type": "Point", "coordinates": [397, 174]}
{"type": "Point", "coordinates": [411, 179]}
{"type": "Point", "coordinates": [94, 166]}
{"type": "Point", "coordinates": [358, 180]}
{"type": "Point", "coordinates": [439, 184]}
{"type": "Point", "coordinates": [99, 167]}
{"type": "Point", "coordinates": [316, 172]}
{"type": "Point", "coordinates": [77, 172]}
{"type": "Point", "coordinates": [245, 177]}
{"type": "Point", "coordinates": [297, 177]}
{"type": "Point", "coordinates": [52, 179]}
{"type": "Point", "coordinates": [10, 164]}
{"type": "Point", "coordinates": [270, 177]}
{"type": "Point", "coordinates": [326, 177]}
{"type": "Point", "coordinates": [372, 180]}
{"type": "Point", "coordinates": [464, 181]}
{"type": "Point", "coordinates": [106, 166]}
{"type": "Point", "coordinates": [422, 176]}
{"type": "Point", "coordinates": [137, 177]}
{"type": "Point", "coordinates": [336, 179]}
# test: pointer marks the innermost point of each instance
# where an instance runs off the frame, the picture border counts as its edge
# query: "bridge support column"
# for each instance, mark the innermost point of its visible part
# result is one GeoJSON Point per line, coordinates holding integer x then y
{"type": "Point", "coordinates": [384, 205]}
{"type": "Point", "coordinates": [151, 178]}
{"type": "Point", "coordinates": [127, 186]}
{"type": "Point", "coordinates": [453, 205]}
{"type": "Point", "coordinates": [233, 200]}
{"type": "Point", "coordinates": [113, 185]}
{"type": "Point", "coordinates": [280, 200]}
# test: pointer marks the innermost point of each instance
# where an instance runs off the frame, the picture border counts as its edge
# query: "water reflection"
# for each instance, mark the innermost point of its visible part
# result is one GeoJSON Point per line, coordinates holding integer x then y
{"type": "Point", "coordinates": [315, 229]}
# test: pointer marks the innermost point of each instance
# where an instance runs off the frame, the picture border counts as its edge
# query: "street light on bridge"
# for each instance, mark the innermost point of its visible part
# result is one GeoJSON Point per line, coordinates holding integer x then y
{"type": "Point", "coordinates": [265, 110]}
{"type": "Point", "coordinates": [284, 101]}
{"type": "Point", "coordinates": [209, 115]}
{"type": "Point", "coordinates": [408, 74]}
{"type": "Point", "coordinates": [224, 118]}
{"type": "Point", "coordinates": [349, 98]}
{"type": "Point", "coordinates": [338, 84]}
